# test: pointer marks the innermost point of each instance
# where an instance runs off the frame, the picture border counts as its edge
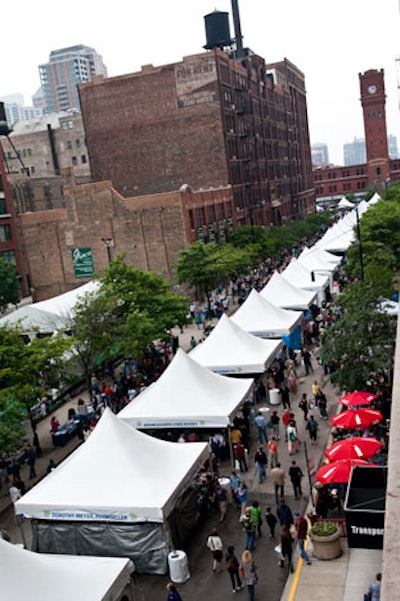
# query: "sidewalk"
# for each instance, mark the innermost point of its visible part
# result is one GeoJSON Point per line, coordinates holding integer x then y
{"type": "Point", "coordinates": [342, 579]}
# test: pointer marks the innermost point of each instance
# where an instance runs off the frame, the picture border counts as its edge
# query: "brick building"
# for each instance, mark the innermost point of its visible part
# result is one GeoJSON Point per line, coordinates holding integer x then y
{"type": "Point", "coordinates": [207, 121]}
{"type": "Point", "coordinates": [149, 230]}
{"type": "Point", "coordinates": [9, 247]}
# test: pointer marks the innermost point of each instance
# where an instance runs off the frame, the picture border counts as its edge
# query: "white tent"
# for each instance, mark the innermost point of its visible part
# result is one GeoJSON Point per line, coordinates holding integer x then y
{"type": "Point", "coordinates": [322, 258]}
{"type": "Point", "coordinates": [301, 276]}
{"type": "Point", "coordinates": [50, 315]}
{"type": "Point", "coordinates": [120, 482]}
{"type": "Point", "coordinates": [282, 293]}
{"type": "Point", "coordinates": [39, 577]}
{"type": "Point", "coordinates": [231, 350]}
{"type": "Point", "coordinates": [261, 318]}
{"type": "Point", "coordinates": [375, 199]}
{"type": "Point", "coordinates": [187, 395]}
{"type": "Point", "coordinates": [344, 203]}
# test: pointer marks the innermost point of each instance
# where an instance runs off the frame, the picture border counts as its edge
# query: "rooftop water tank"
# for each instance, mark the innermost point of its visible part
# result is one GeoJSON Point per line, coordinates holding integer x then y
{"type": "Point", "coordinates": [217, 30]}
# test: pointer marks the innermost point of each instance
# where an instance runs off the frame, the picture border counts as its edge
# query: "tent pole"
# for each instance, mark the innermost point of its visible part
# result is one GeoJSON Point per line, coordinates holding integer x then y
{"type": "Point", "coordinates": [20, 522]}
{"type": "Point", "coordinates": [231, 447]}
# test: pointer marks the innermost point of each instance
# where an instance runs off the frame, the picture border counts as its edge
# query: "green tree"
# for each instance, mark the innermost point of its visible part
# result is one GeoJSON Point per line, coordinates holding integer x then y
{"type": "Point", "coordinates": [129, 311]}
{"type": "Point", "coordinates": [23, 369]}
{"type": "Point", "coordinates": [8, 284]}
{"type": "Point", "coordinates": [361, 344]}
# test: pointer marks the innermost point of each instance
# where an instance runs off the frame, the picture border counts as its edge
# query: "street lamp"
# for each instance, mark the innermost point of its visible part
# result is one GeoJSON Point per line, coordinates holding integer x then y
{"type": "Point", "coordinates": [109, 242]}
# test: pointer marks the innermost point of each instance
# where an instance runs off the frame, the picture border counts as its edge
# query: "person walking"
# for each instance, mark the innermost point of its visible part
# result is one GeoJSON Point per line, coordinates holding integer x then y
{"type": "Point", "coordinates": [312, 428]}
{"type": "Point", "coordinates": [255, 512]}
{"type": "Point", "coordinates": [242, 496]}
{"type": "Point", "coordinates": [278, 480]}
{"type": "Point", "coordinates": [287, 548]}
{"type": "Point", "coordinates": [273, 451]}
{"type": "Point", "coordinates": [271, 521]}
{"type": "Point", "coordinates": [295, 475]}
{"type": "Point", "coordinates": [275, 420]}
{"type": "Point", "coordinates": [239, 453]}
{"type": "Point", "coordinates": [249, 529]}
{"type": "Point", "coordinates": [306, 355]}
{"type": "Point", "coordinates": [322, 405]}
{"type": "Point", "coordinates": [284, 514]}
{"type": "Point", "coordinates": [285, 396]}
{"type": "Point", "coordinates": [214, 543]}
{"type": "Point", "coordinates": [303, 405]}
{"type": "Point", "coordinates": [286, 421]}
{"type": "Point", "coordinates": [261, 461]}
{"type": "Point", "coordinates": [236, 479]}
{"type": "Point", "coordinates": [262, 427]}
{"type": "Point", "coordinates": [374, 589]}
{"type": "Point", "coordinates": [222, 500]}
{"type": "Point", "coordinates": [292, 438]}
{"type": "Point", "coordinates": [232, 567]}
{"type": "Point", "coordinates": [248, 570]}
{"type": "Point", "coordinates": [301, 531]}
{"type": "Point", "coordinates": [172, 592]}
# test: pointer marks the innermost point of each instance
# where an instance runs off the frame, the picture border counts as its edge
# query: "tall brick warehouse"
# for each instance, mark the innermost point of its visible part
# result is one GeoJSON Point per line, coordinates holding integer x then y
{"type": "Point", "coordinates": [207, 121]}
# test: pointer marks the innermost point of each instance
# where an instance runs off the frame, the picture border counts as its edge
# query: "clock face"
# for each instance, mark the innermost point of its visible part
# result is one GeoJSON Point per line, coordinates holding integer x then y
{"type": "Point", "coordinates": [372, 89]}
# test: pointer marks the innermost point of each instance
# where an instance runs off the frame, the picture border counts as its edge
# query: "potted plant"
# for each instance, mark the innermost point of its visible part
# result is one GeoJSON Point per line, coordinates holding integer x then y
{"type": "Point", "coordinates": [325, 537]}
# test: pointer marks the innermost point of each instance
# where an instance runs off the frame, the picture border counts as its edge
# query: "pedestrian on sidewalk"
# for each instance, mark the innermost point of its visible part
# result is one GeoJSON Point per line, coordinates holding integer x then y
{"type": "Point", "coordinates": [173, 594]}
{"type": "Point", "coordinates": [248, 570]}
{"type": "Point", "coordinates": [284, 514]}
{"type": "Point", "coordinates": [303, 405]}
{"type": "Point", "coordinates": [242, 496]}
{"type": "Point", "coordinates": [236, 479]}
{"type": "Point", "coordinates": [302, 530]}
{"type": "Point", "coordinates": [262, 427]}
{"type": "Point", "coordinates": [285, 396]}
{"type": "Point", "coordinates": [239, 453]}
{"type": "Point", "coordinates": [322, 404]}
{"type": "Point", "coordinates": [293, 440]}
{"type": "Point", "coordinates": [312, 428]}
{"type": "Point", "coordinates": [273, 451]}
{"type": "Point", "coordinates": [278, 480]}
{"type": "Point", "coordinates": [271, 521]}
{"type": "Point", "coordinates": [287, 548]}
{"type": "Point", "coordinates": [249, 528]}
{"type": "Point", "coordinates": [306, 355]}
{"type": "Point", "coordinates": [222, 500]}
{"type": "Point", "coordinates": [275, 421]}
{"type": "Point", "coordinates": [374, 589]}
{"type": "Point", "coordinates": [295, 475]}
{"type": "Point", "coordinates": [255, 512]}
{"type": "Point", "coordinates": [261, 461]}
{"type": "Point", "coordinates": [286, 420]}
{"type": "Point", "coordinates": [214, 543]}
{"type": "Point", "coordinates": [316, 390]}
{"type": "Point", "coordinates": [232, 567]}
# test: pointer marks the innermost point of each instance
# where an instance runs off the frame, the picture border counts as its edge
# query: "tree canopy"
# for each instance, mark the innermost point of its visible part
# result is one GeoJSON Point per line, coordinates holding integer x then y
{"type": "Point", "coordinates": [8, 284]}
{"type": "Point", "coordinates": [361, 343]}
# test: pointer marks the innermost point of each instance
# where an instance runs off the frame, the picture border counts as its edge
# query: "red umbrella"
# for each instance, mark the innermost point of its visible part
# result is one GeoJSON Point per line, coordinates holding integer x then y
{"type": "Point", "coordinates": [354, 448]}
{"type": "Point", "coordinates": [356, 418]}
{"type": "Point", "coordinates": [337, 472]}
{"type": "Point", "coordinates": [357, 397]}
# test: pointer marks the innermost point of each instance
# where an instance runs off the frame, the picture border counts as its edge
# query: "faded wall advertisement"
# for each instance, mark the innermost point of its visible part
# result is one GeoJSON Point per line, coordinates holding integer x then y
{"type": "Point", "coordinates": [196, 82]}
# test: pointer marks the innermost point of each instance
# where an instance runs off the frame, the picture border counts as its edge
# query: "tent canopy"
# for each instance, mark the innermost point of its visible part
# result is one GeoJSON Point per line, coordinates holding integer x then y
{"type": "Point", "coordinates": [344, 203]}
{"type": "Point", "coordinates": [187, 395]}
{"type": "Point", "coordinates": [108, 477]}
{"type": "Point", "coordinates": [62, 577]}
{"type": "Point", "coordinates": [300, 275]}
{"type": "Point", "coordinates": [282, 293]}
{"type": "Point", "coordinates": [231, 350]}
{"type": "Point", "coordinates": [261, 318]}
{"type": "Point", "coordinates": [50, 315]}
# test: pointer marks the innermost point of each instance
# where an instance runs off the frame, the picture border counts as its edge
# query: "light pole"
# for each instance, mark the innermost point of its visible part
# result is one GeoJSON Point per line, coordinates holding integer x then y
{"type": "Point", "coordinates": [360, 252]}
{"type": "Point", "coordinates": [109, 242]}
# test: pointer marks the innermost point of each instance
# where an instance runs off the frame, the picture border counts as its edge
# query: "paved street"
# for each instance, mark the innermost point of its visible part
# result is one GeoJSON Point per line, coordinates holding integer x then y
{"type": "Point", "coordinates": [202, 581]}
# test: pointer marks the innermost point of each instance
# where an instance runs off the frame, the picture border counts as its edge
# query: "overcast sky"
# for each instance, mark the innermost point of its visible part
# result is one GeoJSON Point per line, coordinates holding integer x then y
{"type": "Point", "coordinates": [330, 42]}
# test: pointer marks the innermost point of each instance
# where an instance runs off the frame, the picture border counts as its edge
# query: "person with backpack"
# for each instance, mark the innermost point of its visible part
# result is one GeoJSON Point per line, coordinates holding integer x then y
{"type": "Point", "coordinates": [232, 567]}
{"type": "Point", "coordinates": [249, 529]}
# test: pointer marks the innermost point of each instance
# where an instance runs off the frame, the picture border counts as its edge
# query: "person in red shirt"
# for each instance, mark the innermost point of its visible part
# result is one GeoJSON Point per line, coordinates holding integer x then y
{"type": "Point", "coordinates": [273, 451]}
{"type": "Point", "coordinates": [302, 530]}
{"type": "Point", "coordinates": [286, 419]}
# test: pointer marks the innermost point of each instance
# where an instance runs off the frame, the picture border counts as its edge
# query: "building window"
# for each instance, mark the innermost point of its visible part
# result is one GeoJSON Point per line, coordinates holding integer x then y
{"type": "Point", "coordinates": [74, 161]}
{"type": "Point", "coordinates": [8, 255]}
{"type": "Point", "coordinates": [3, 208]}
{"type": "Point", "coordinates": [78, 143]}
{"type": "Point", "coordinates": [5, 233]}
{"type": "Point", "coordinates": [83, 158]}
{"type": "Point", "coordinates": [32, 170]}
{"type": "Point", "coordinates": [69, 145]}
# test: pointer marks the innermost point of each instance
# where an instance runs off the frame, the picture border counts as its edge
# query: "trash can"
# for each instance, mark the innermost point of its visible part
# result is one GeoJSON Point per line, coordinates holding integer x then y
{"type": "Point", "coordinates": [274, 396]}
{"type": "Point", "coordinates": [226, 484]}
{"type": "Point", "coordinates": [178, 567]}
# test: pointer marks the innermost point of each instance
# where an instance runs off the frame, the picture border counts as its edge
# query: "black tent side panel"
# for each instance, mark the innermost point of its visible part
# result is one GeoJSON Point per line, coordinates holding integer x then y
{"type": "Point", "coordinates": [144, 543]}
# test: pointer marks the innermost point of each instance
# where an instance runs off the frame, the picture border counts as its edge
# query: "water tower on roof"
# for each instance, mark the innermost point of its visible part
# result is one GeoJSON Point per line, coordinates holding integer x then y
{"type": "Point", "coordinates": [218, 34]}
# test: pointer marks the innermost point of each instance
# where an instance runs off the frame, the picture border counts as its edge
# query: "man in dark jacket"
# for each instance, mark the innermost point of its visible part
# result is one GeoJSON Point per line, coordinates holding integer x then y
{"type": "Point", "coordinates": [284, 514]}
{"type": "Point", "coordinates": [295, 475]}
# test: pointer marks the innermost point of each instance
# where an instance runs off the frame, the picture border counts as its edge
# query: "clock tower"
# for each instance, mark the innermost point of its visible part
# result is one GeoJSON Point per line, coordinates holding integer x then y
{"type": "Point", "coordinates": [373, 101]}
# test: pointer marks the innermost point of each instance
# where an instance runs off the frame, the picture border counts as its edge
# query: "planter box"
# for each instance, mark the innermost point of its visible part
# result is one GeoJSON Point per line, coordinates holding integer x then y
{"type": "Point", "coordinates": [326, 547]}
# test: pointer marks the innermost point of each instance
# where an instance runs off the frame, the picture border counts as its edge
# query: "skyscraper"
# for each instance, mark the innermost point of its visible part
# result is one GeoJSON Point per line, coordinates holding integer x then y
{"type": "Point", "coordinates": [67, 68]}
{"type": "Point", "coordinates": [354, 152]}
{"type": "Point", "coordinates": [319, 154]}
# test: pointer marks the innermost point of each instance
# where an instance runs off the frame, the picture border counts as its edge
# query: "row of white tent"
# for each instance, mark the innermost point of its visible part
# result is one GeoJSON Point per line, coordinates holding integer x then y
{"type": "Point", "coordinates": [132, 483]}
